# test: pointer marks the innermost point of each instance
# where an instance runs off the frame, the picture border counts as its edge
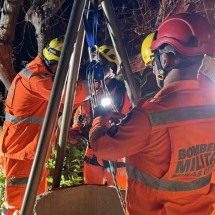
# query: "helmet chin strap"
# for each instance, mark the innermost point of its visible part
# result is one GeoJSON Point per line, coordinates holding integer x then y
{"type": "Point", "coordinates": [48, 64]}
{"type": "Point", "coordinates": [163, 72]}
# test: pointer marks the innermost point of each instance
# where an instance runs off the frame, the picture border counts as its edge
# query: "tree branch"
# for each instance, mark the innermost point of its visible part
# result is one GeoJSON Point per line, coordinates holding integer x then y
{"type": "Point", "coordinates": [9, 15]}
{"type": "Point", "coordinates": [39, 15]}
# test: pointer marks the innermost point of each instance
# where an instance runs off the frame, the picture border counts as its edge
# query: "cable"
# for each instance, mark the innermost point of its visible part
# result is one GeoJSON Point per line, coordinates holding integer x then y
{"type": "Point", "coordinates": [121, 199]}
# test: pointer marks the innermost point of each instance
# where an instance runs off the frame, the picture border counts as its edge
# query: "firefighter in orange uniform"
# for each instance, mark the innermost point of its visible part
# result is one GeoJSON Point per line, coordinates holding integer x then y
{"type": "Point", "coordinates": [25, 109]}
{"type": "Point", "coordinates": [205, 76]}
{"type": "Point", "coordinates": [168, 141]}
{"type": "Point", "coordinates": [206, 73]}
{"type": "Point", "coordinates": [98, 171]}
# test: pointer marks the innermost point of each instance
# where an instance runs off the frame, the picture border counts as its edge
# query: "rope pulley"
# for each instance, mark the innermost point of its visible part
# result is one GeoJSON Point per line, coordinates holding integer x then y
{"type": "Point", "coordinates": [99, 93]}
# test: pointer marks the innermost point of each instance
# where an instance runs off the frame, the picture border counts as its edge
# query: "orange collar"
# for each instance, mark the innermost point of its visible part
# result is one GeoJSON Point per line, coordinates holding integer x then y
{"type": "Point", "coordinates": [177, 86]}
{"type": "Point", "coordinates": [39, 63]}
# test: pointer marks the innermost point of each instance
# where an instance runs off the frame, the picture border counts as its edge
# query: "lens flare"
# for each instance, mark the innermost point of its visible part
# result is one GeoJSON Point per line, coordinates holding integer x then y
{"type": "Point", "coordinates": [105, 102]}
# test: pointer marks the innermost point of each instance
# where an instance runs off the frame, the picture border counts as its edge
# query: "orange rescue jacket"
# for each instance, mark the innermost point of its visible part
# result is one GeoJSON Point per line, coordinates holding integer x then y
{"type": "Point", "coordinates": [169, 145]}
{"type": "Point", "coordinates": [25, 109]}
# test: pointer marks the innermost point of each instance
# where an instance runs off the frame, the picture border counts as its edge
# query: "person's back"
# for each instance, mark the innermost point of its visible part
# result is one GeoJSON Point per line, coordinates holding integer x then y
{"type": "Point", "coordinates": [25, 109]}
{"type": "Point", "coordinates": [177, 160]}
{"type": "Point", "coordinates": [26, 105]}
{"type": "Point", "coordinates": [168, 141]}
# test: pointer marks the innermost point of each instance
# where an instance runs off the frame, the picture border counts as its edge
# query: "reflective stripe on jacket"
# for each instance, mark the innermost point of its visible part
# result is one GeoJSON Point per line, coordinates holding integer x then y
{"type": "Point", "coordinates": [169, 145]}
{"type": "Point", "coordinates": [25, 109]}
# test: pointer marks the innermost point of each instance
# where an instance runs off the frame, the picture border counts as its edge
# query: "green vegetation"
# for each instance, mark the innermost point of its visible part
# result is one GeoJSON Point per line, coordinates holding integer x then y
{"type": "Point", "coordinates": [2, 188]}
{"type": "Point", "coordinates": [72, 173]}
{"type": "Point", "coordinates": [72, 168]}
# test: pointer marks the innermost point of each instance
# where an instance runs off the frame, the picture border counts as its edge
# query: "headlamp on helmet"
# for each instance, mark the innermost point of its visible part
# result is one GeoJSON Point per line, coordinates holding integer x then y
{"type": "Point", "coordinates": [52, 51]}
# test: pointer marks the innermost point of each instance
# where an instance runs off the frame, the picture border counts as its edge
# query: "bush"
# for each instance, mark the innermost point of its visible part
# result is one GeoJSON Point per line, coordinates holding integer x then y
{"type": "Point", "coordinates": [2, 188]}
{"type": "Point", "coordinates": [72, 173]}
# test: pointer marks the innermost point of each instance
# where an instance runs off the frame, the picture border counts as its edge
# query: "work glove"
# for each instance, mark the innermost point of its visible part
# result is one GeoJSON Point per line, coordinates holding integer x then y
{"type": "Point", "coordinates": [73, 136]}
{"type": "Point", "coordinates": [116, 118]}
{"type": "Point", "coordinates": [108, 114]}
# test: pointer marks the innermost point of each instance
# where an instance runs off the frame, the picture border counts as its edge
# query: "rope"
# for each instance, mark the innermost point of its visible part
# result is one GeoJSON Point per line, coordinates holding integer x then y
{"type": "Point", "coordinates": [121, 199]}
{"type": "Point", "coordinates": [96, 70]}
{"type": "Point", "coordinates": [112, 168]}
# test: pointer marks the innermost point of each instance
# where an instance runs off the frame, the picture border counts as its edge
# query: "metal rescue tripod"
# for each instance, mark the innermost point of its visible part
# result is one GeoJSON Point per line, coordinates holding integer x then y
{"type": "Point", "coordinates": [69, 64]}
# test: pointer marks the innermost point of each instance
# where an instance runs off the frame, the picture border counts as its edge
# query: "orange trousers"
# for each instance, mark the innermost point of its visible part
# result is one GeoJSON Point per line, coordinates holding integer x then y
{"type": "Point", "coordinates": [94, 174]}
{"type": "Point", "coordinates": [17, 173]}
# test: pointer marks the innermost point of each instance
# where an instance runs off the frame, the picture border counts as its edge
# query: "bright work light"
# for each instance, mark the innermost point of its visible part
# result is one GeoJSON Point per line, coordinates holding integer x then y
{"type": "Point", "coordinates": [105, 102]}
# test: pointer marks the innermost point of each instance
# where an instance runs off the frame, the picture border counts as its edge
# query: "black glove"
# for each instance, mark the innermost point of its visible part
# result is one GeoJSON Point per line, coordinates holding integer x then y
{"type": "Point", "coordinates": [102, 111]}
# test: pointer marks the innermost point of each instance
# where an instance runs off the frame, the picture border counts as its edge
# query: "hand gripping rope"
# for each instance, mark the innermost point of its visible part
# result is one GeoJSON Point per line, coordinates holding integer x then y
{"type": "Point", "coordinates": [95, 76]}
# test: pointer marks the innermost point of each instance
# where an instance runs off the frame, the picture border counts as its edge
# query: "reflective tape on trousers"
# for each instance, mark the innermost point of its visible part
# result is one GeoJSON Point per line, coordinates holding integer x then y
{"type": "Point", "coordinates": [166, 185]}
{"type": "Point", "coordinates": [17, 181]}
{"type": "Point", "coordinates": [182, 114]}
{"type": "Point", "coordinates": [30, 119]}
